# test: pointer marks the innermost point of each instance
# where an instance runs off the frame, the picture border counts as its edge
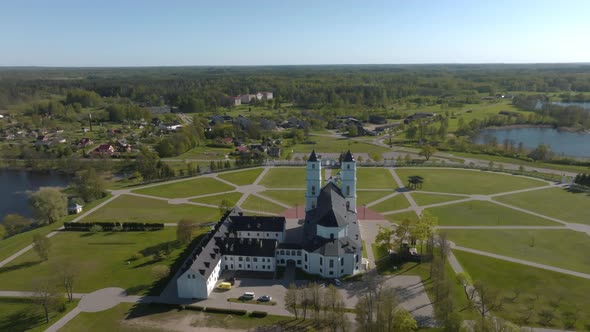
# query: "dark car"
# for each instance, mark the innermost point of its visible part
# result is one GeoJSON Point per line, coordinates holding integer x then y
{"type": "Point", "coordinates": [231, 280]}
{"type": "Point", "coordinates": [265, 298]}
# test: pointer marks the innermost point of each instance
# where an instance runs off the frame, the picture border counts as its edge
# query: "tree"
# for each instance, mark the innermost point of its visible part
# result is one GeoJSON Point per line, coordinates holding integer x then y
{"type": "Point", "coordinates": [291, 300]}
{"type": "Point", "coordinates": [15, 223]}
{"type": "Point", "coordinates": [48, 205]}
{"type": "Point", "coordinates": [224, 206]}
{"type": "Point", "coordinates": [160, 271]}
{"type": "Point", "coordinates": [96, 229]}
{"type": "Point", "coordinates": [184, 231]}
{"type": "Point", "coordinates": [2, 232]}
{"type": "Point", "coordinates": [427, 151]}
{"type": "Point", "coordinates": [352, 130]}
{"type": "Point", "coordinates": [67, 272]}
{"type": "Point", "coordinates": [384, 237]}
{"type": "Point", "coordinates": [424, 228]}
{"type": "Point", "coordinates": [89, 185]}
{"type": "Point", "coordinates": [485, 298]}
{"type": "Point", "coordinates": [542, 152]}
{"type": "Point", "coordinates": [42, 246]}
{"type": "Point", "coordinates": [402, 234]}
{"type": "Point", "coordinates": [46, 296]}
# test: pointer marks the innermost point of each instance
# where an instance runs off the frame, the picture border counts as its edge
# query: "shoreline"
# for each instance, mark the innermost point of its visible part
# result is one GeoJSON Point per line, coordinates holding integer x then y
{"type": "Point", "coordinates": [519, 126]}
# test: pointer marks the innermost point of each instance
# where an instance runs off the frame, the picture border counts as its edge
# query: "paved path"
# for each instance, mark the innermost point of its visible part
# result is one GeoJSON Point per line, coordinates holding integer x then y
{"type": "Point", "coordinates": [413, 206]}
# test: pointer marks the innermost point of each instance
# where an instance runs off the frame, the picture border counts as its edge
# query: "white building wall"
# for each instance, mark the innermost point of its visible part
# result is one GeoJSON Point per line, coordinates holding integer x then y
{"type": "Point", "coordinates": [248, 263]}
{"type": "Point", "coordinates": [348, 182]}
{"type": "Point", "coordinates": [191, 284]}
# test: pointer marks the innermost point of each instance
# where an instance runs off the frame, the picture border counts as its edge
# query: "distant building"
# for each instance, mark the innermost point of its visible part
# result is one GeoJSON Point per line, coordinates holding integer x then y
{"type": "Point", "coordinates": [267, 95]}
{"type": "Point", "coordinates": [159, 109]}
{"type": "Point", "coordinates": [419, 115]}
{"type": "Point", "coordinates": [74, 208]}
{"type": "Point", "coordinates": [235, 101]}
{"type": "Point", "coordinates": [104, 149]}
{"type": "Point", "coordinates": [247, 99]}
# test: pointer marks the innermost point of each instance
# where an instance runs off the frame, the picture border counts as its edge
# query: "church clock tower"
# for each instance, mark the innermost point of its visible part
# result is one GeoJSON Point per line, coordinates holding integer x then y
{"type": "Point", "coordinates": [314, 181]}
{"type": "Point", "coordinates": [348, 180]}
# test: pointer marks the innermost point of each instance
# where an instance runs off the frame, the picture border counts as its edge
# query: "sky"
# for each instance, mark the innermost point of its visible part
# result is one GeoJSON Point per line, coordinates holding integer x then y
{"type": "Point", "coordinates": [288, 32]}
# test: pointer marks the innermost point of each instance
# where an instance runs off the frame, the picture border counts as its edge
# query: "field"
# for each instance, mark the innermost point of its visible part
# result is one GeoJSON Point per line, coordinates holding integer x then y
{"type": "Point", "coordinates": [21, 314]}
{"type": "Point", "coordinates": [331, 144]}
{"type": "Point", "coordinates": [481, 213]}
{"type": "Point", "coordinates": [127, 208]}
{"type": "Point", "coordinates": [205, 152]}
{"type": "Point", "coordinates": [365, 197]}
{"type": "Point", "coordinates": [467, 182]}
{"type": "Point", "coordinates": [188, 188]}
{"type": "Point", "coordinates": [397, 202]}
{"type": "Point", "coordinates": [103, 260]}
{"type": "Point", "coordinates": [397, 217]}
{"type": "Point", "coordinates": [374, 178]}
{"type": "Point", "coordinates": [255, 203]}
{"type": "Point", "coordinates": [572, 207]}
{"type": "Point", "coordinates": [568, 292]}
{"type": "Point", "coordinates": [284, 177]}
{"type": "Point", "coordinates": [232, 198]}
{"type": "Point", "coordinates": [560, 248]}
{"type": "Point", "coordinates": [427, 199]}
{"type": "Point", "coordinates": [289, 197]}
{"type": "Point", "coordinates": [241, 178]}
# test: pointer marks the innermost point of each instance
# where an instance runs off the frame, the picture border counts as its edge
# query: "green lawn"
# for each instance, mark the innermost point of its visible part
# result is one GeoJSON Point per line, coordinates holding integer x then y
{"type": "Point", "coordinates": [205, 152]}
{"type": "Point", "coordinates": [374, 178]}
{"type": "Point", "coordinates": [427, 199]}
{"type": "Point", "coordinates": [255, 203]}
{"type": "Point", "coordinates": [127, 208]}
{"type": "Point", "coordinates": [571, 292]}
{"type": "Point", "coordinates": [21, 314]}
{"type": "Point", "coordinates": [102, 260]}
{"type": "Point", "coordinates": [128, 317]}
{"type": "Point", "coordinates": [284, 177]}
{"type": "Point", "coordinates": [553, 202]}
{"type": "Point", "coordinates": [397, 217]}
{"type": "Point", "coordinates": [15, 243]}
{"type": "Point", "coordinates": [397, 202]}
{"type": "Point", "coordinates": [466, 181]}
{"type": "Point", "coordinates": [365, 197]}
{"type": "Point", "coordinates": [233, 198]}
{"type": "Point", "coordinates": [481, 213]}
{"type": "Point", "coordinates": [378, 251]}
{"type": "Point", "coordinates": [325, 144]}
{"type": "Point", "coordinates": [188, 188]}
{"type": "Point", "coordinates": [289, 197]}
{"type": "Point", "coordinates": [561, 248]}
{"type": "Point", "coordinates": [242, 178]}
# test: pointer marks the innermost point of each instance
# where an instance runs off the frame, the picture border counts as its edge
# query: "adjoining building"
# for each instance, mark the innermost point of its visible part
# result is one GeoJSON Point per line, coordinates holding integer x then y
{"type": "Point", "coordinates": [329, 243]}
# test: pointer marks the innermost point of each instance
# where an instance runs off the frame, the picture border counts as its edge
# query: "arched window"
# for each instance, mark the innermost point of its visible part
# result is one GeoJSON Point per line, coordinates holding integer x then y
{"type": "Point", "coordinates": [347, 190]}
{"type": "Point", "coordinates": [313, 190]}
{"type": "Point", "coordinates": [312, 165]}
{"type": "Point", "coordinates": [348, 166]}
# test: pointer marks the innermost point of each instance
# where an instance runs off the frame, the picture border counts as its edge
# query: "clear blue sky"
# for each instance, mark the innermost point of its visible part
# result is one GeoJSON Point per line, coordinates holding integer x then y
{"type": "Point", "coordinates": [277, 32]}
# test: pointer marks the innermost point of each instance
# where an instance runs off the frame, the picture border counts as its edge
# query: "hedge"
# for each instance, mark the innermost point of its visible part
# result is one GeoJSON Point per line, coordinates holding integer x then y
{"type": "Point", "coordinates": [237, 312]}
{"type": "Point", "coordinates": [112, 226]}
{"type": "Point", "coordinates": [258, 314]}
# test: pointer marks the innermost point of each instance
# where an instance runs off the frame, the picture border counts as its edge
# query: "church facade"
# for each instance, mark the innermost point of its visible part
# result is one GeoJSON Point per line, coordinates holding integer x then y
{"type": "Point", "coordinates": [328, 243]}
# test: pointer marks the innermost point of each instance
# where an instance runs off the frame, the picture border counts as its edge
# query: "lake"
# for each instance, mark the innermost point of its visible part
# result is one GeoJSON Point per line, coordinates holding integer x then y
{"type": "Point", "coordinates": [15, 186]}
{"type": "Point", "coordinates": [561, 142]}
{"type": "Point", "coordinates": [584, 105]}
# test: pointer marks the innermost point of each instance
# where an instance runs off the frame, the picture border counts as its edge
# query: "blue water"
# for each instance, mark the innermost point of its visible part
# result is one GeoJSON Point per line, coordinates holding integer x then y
{"type": "Point", "coordinates": [584, 105]}
{"type": "Point", "coordinates": [561, 142]}
{"type": "Point", "coordinates": [15, 187]}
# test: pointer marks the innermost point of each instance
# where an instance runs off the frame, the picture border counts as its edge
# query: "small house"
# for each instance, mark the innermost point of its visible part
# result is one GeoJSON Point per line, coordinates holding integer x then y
{"type": "Point", "coordinates": [74, 208]}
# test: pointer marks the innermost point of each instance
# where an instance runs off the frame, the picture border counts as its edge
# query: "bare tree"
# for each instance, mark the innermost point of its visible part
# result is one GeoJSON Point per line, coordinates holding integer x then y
{"type": "Point", "coordinates": [315, 298]}
{"type": "Point", "coordinates": [42, 246]}
{"type": "Point", "coordinates": [67, 272]}
{"type": "Point", "coordinates": [485, 299]}
{"type": "Point", "coordinates": [46, 296]}
{"type": "Point", "coordinates": [291, 300]}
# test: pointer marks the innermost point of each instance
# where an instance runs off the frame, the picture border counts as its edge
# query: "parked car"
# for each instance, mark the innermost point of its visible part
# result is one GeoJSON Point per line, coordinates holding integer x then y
{"type": "Point", "coordinates": [247, 296]}
{"type": "Point", "coordinates": [231, 280]}
{"type": "Point", "coordinates": [337, 282]}
{"type": "Point", "coordinates": [265, 298]}
{"type": "Point", "coordinates": [224, 286]}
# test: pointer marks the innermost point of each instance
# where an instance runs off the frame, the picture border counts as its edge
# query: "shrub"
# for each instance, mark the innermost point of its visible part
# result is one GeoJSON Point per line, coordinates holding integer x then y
{"type": "Point", "coordinates": [193, 307]}
{"type": "Point", "coordinates": [258, 314]}
{"type": "Point", "coordinates": [96, 229]}
{"type": "Point", "coordinates": [136, 256]}
{"type": "Point", "coordinates": [160, 271]}
{"type": "Point", "coordinates": [237, 312]}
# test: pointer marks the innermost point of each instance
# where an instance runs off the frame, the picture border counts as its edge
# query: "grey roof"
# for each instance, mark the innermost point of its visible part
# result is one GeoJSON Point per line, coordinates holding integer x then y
{"type": "Point", "coordinates": [247, 247]}
{"type": "Point", "coordinates": [348, 156]}
{"type": "Point", "coordinates": [257, 223]}
{"type": "Point", "coordinates": [331, 208]}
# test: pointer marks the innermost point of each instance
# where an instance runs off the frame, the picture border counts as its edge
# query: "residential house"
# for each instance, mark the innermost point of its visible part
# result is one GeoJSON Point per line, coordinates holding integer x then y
{"type": "Point", "coordinates": [104, 149]}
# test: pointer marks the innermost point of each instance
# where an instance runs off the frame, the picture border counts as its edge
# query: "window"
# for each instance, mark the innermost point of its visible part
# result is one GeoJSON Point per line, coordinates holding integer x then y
{"type": "Point", "coordinates": [331, 272]}
{"type": "Point", "coordinates": [348, 166]}
{"type": "Point", "coordinates": [239, 266]}
{"type": "Point", "coordinates": [347, 190]}
{"type": "Point", "coordinates": [255, 259]}
{"type": "Point", "coordinates": [347, 205]}
{"type": "Point", "coordinates": [313, 190]}
{"type": "Point", "coordinates": [248, 233]}
{"type": "Point", "coordinates": [306, 267]}
{"type": "Point", "coordinates": [282, 261]}
{"type": "Point", "coordinates": [331, 236]}
{"type": "Point", "coordinates": [298, 252]}
{"type": "Point", "coordinates": [267, 235]}
{"type": "Point", "coordinates": [321, 271]}
{"type": "Point", "coordinates": [257, 234]}
{"type": "Point", "coordinates": [306, 257]}
{"type": "Point", "coordinates": [321, 261]}
{"type": "Point", "coordinates": [298, 262]}
{"type": "Point", "coordinates": [312, 206]}
{"type": "Point", "coordinates": [240, 259]}
{"type": "Point", "coordinates": [331, 263]}
{"type": "Point", "coordinates": [312, 165]}
{"type": "Point", "coordinates": [248, 265]}
{"type": "Point", "coordinates": [341, 261]}
{"type": "Point", "coordinates": [225, 258]}
{"type": "Point", "coordinates": [293, 253]}
{"type": "Point", "coordinates": [247, 259]}
{"type": "Point", "coordinates": [342, 271]}
{"type": "Point", "coordinates": [357, 258]}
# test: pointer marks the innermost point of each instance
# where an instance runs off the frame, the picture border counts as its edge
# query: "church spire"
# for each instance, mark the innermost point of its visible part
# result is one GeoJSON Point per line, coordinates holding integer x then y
{"type": "Point", "coordinates": [312, 156]}
{"type": "Point", "coordinates": [348, 157]}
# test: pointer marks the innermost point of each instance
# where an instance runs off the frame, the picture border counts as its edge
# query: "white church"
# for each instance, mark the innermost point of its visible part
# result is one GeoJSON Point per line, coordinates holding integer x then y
{"type": "Point", "coordinates": [328, 243]}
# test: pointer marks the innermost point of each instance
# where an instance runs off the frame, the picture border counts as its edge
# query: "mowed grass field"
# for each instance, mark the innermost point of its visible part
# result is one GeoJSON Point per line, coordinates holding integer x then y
{"type": "Point", "coordinates": [232, 198]}
{"type": "Point", "coordinates": [374, 178]}
{"type": "Point", "coordinates": [241, 178]}
{"type": "Point", "coordinates": [127, 208]}
{"type": "Point", "coordinates": [289, 197]}
{"type": "Point", "coordinates": [554, 202]}
{"type": "Point", "coordinates": [365, 197]}
{"type": "Point", "coordinates": [254, 203]}
{"type": "Point", "coordinates": [398, 217]}
{"type": "Point", "coordinates": [21, 314]}
{"type": "Point", "coordinates": [560, 248]}
{"type": "Point", "coordinates": [285, 177]}
{"type": "Point", "coordinates": [506, 277]}
{"type": "Point", "coordinates": [481, 213]}
{"type": "Point", "coordinates": [187, 188]}
{"type": "Point", "coordinates": [101, 259]}
{"type": "Point", "coordinates": [397, 202]}
{"type": "Point", "coordinates": [467, 181]}
{"type": "Point", "coordinates": [427, 199]}
{"type": "Point", "coordinates": [332, 144]}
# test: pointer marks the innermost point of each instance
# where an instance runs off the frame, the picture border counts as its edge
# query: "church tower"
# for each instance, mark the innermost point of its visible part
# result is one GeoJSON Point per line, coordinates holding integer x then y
{"type": "Point", "coordinates": [348, 180]}
{"type": "Point", "coordinates": [314, 181]}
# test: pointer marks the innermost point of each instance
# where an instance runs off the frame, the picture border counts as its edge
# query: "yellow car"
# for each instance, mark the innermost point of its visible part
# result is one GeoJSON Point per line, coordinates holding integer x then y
{"type": "Point", "coordinates": [224, 286]}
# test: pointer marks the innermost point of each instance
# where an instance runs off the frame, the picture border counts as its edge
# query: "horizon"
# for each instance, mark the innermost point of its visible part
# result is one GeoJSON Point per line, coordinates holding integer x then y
{"type": "Point", "coordinates": [182, 33]}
